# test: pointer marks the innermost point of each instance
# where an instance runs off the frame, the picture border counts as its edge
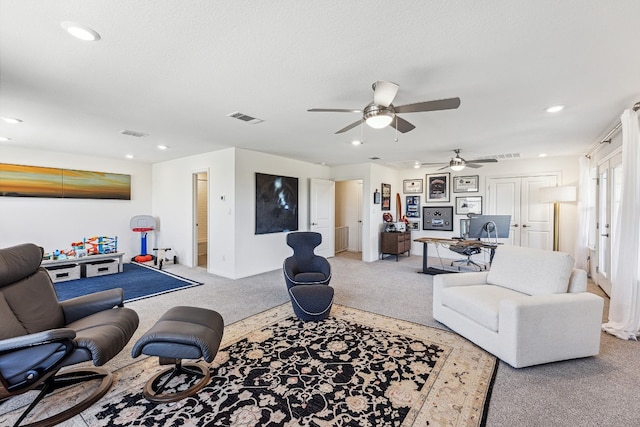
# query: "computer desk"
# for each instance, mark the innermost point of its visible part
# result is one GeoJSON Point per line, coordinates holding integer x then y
{"type": "Point", "coordinates": [441, 241]}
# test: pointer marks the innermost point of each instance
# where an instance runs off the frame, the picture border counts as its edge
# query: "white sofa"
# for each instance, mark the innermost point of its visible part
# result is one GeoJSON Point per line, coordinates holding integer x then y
{"type": "Point", "coordinates": [532, 307]}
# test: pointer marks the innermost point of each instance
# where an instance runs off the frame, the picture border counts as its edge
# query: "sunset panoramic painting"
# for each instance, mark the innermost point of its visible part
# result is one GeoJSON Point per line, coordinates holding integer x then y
{"type": "Point", "coordinates": [35, 181]}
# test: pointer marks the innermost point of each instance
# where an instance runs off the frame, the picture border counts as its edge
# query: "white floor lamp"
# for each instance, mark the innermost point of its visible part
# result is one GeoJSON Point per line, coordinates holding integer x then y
{"type": "Point", "coordinates": [557, 195]}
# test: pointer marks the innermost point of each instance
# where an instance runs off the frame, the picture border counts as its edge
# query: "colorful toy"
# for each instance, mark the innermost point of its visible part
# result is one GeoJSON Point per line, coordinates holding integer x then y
{"type": "Point", "coordinates": [100, 245]}
{"type": "Point", "coordinates": [142, 224]}
{"type": "Point", "coordinates": [161, 257]}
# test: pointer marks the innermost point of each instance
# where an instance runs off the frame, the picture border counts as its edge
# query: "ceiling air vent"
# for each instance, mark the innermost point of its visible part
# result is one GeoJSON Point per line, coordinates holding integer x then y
{"type": "Point", "coordinates": [500, 156]}
{"type": "Point", "coordinates": [245, 118]}
{"type": "Point", "coordinates": [133, 133]}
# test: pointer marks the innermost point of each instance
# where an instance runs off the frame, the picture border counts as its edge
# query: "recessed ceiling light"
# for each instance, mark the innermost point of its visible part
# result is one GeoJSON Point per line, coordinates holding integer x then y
{"type": "Point", "coordinates": [416, 165]}
{"type": "Point", "coordinates": [11, 120]}
{"type": "Point", "coordinates": [162, 147]}
{"type": "Point", "coordinates": [356, 142]}
{"type": "Point", "coordinates": [555, 109]}
{"type": "Point", "coordinates": [129, 156]}
{"type": "Point", "coordinates": [80, 31]}
{"type": "Point", "coordinates": [542, 155]}
{"type": "Point", "coordinates": [4, 139]}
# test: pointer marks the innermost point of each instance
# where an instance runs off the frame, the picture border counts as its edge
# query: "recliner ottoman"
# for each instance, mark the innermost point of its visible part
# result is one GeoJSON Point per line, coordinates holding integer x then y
{"type": "Point", "coordinates": [181, 333]}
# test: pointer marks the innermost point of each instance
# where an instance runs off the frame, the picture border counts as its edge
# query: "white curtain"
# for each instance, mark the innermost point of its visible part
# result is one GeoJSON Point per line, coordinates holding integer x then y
{"type": "Point", "coordinates": [624, 309]}
{"type": "Point", "coordinates": [586, 208]}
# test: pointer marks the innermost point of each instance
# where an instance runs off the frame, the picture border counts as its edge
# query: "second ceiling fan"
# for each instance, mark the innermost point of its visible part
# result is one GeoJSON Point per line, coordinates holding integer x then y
{"type": "Point", "coordinates": [457, 163]}
{"type": "Point", "coordinates": [381, 112]}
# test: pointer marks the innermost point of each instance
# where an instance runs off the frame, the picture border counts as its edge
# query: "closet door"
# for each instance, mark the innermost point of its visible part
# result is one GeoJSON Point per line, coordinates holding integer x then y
{"type": "Point", "coordinates": [504, 199]}
{"type": "Point", "coordinates": [536, 218]}
{"type": "Point", "coordinates": [531, 220]}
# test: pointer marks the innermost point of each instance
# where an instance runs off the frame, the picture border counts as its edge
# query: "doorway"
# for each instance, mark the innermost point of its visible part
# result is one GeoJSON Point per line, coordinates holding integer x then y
{"type": "Point", "coordinates": [201, 218]}
{"type": "Point", "coordinates": [348, 214]}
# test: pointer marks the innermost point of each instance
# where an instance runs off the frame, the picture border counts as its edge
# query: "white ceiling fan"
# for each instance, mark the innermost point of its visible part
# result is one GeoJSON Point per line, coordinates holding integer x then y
{"type": "Point", "coordinates": [381, 112]}
{"type": "Point", "coordinates": [457, 163]}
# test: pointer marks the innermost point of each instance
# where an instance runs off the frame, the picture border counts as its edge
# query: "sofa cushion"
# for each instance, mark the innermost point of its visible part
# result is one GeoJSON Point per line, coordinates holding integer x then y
{"type": "Point", "coordinates": [480, 303]}
{"type": "Point", "coordinates": [531, 271]}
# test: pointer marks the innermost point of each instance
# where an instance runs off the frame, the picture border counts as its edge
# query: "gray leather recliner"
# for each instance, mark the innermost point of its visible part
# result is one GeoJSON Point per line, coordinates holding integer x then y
{"type": "Point", "coordinates": [40, 335]}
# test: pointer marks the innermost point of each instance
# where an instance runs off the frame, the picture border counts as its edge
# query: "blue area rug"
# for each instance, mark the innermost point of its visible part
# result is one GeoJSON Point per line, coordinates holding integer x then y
{"type": "Point", "coordinates": [138, 281]}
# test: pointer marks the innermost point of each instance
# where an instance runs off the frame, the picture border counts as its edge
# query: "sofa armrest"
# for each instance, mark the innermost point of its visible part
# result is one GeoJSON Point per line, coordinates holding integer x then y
{"type": "Point", "coordinates": [442, 281]}
{"type": "Point", "coordinates": [460, 279]}
{"type": "Point", "coordinates": [85, 305]}
{"type": "Point", "coordinates": [577, 281]}
{"type": "Point", "coordinates": [542, 328]}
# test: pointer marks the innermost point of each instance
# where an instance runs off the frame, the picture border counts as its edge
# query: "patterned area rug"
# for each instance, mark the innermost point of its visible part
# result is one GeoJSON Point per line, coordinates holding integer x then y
{"type": "Point", "coordinates": [354, 369]}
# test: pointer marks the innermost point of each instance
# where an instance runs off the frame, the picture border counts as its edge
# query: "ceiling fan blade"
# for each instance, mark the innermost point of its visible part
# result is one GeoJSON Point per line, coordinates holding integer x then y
{"type": "Point", "coordinates": [351, 126]}
{"type": "Point", "coordinates": [440, 104]}
{"type": "Point", "coordinates": [401, 124]}
{"type": "Point", "coordinates": [384, 92]}
{"type": "Point", "coordinates": [333, 110]}
{"type": "Point", "coordinates": [484, 161]}
{"type": "Point", "coordinates": [443, 168]}
{"type": "Point", "coordinates": [472, 165]}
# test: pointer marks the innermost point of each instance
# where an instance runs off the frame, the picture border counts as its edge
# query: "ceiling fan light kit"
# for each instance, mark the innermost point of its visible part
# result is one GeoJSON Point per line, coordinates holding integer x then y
{"type": "Point", "coordinates": [378, 117]}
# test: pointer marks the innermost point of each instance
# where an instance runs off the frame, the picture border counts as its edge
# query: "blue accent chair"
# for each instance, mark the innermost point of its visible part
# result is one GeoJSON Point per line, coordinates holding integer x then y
{"type": "Point", "coordinates": [307, 276]}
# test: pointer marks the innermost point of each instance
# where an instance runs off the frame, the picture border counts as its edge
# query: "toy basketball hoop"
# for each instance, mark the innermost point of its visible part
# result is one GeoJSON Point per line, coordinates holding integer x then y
{"type": "Point", "coordinates": [143, 224]}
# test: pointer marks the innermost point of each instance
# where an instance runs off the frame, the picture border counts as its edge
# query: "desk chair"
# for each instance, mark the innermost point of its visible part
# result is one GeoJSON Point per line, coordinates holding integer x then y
{"type": "Point", "coordinates": [467, 251]}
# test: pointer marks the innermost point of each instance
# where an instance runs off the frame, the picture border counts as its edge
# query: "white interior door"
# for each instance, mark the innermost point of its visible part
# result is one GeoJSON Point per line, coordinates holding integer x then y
{"type": "Point", "coordinates": [536, 217]}
{"type": "Point", "coordinates": [322, 214]}
{"type": "Point", "coordinates": [531, 220]}
{"type": "Point", "coordinates": [609, 190]}
{"type": "Point", "coordinates": [504, 199]}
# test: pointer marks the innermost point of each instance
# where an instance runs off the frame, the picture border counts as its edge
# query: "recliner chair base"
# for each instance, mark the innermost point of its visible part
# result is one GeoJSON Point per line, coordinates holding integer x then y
{"type": "Point", "coordinates": [155, 385]}
{"type": "Point", "coordinates": [69, 378]}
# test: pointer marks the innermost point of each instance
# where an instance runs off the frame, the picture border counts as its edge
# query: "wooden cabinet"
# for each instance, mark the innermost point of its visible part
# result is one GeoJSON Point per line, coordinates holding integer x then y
{"type": "Point", "coordinates": [395, 243]}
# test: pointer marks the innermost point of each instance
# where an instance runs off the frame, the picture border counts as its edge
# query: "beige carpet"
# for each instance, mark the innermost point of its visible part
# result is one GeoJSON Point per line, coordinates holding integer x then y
{"type": "Point", "coordinates": [356, 368]}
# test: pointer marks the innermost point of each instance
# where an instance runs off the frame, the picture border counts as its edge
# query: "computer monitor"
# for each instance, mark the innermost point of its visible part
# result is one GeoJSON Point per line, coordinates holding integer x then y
{"type": "Point", "coordinates": [482, 226]}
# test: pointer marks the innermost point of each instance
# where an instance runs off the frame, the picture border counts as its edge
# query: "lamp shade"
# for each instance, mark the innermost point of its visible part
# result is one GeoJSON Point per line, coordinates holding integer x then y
{"type": "Point", "coordinates": [565, 193]}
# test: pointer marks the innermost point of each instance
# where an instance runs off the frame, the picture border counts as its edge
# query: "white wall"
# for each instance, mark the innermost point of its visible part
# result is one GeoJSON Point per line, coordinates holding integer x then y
{"type": "Point", "coordinates": [173, 205]}
{"type": "Point", "coordinates": [265, 252]}
{"type": "Point", "coordinates": [567, 167]}
{"type": "Point", "coordinates": [55, 223]}
{"type": "Point", "coordinates": [235, 251]}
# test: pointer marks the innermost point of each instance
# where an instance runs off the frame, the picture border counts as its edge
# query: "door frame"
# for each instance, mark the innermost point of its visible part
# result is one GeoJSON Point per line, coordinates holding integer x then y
{"type": "Point", "coordinates": [194, 215]}
{"type": "Point", "coordinates": [360, 212]}
{"type": "Point", "coordinates": [612, 161]}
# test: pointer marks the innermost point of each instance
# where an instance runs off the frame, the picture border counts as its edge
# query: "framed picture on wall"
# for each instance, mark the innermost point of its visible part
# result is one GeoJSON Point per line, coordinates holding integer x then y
{"type": "Point", "coordinates": [465, 184]}
{"type": "Point", "coordinates": [438, 187]}
{"type": "Point", "coordinates": [412, 186]}
{"type": "Point", "coordinates": [413, 207]}
{"type": "Point", "coordinates": [386, 197]}
{"type": "Point", "coordinates": [413, 225]}
{"type": "Point", "coordinates": [467, 205]}
{"type": "Point", "coordinates": [276, 203]}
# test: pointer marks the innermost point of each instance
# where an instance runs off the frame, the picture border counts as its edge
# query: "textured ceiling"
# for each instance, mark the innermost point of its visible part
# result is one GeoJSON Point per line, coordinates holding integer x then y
{"type": "Point", "coordinates": [175, 69]}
